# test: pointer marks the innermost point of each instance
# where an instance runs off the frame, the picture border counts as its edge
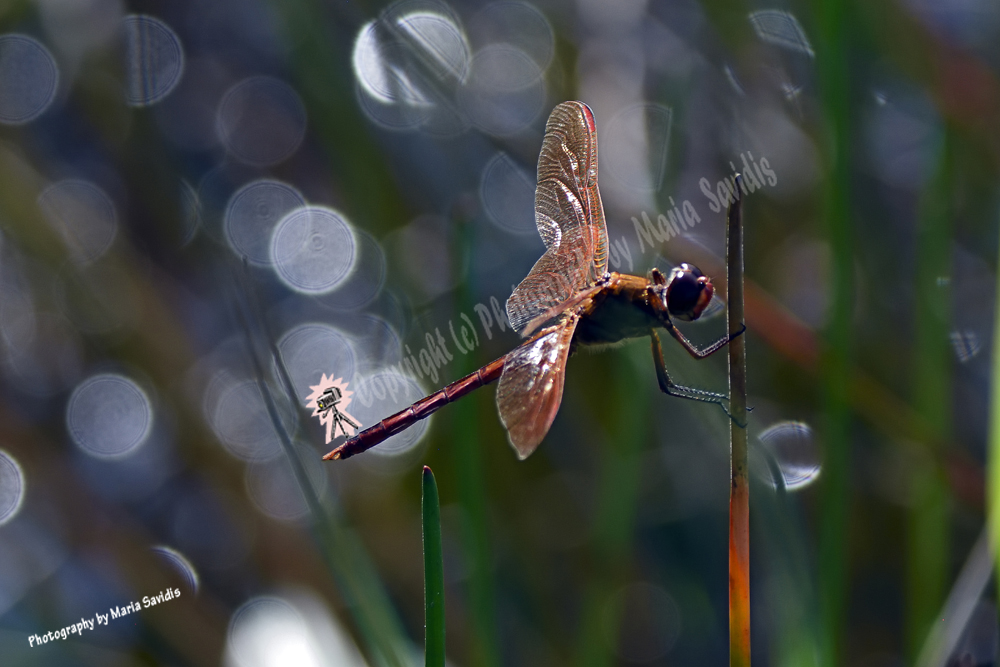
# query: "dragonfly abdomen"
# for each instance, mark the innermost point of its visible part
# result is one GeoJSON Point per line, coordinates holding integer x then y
{"type": "Point", "coordinates": [422, 409]}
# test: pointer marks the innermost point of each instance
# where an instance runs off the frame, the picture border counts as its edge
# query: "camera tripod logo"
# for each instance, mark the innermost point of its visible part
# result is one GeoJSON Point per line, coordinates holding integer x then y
{"type": "Point", "coordinates": [329, 401]}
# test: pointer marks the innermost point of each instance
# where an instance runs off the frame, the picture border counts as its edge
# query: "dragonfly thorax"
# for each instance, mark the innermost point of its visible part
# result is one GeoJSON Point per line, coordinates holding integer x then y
{"type": "Point", "coordinates": [630, 306]}
{"type": "Point", "coordinates": [616, 316]}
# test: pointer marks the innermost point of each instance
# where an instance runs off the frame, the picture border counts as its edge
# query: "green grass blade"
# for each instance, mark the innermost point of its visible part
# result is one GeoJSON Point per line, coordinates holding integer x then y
{"type": "Point", "coordinates": [833, 60]}
{"type": "Point", "coordinates": [928, 553]}
{"type": "Point", "coordinates": [618, 502]}
{"type": "Point", "coordinates": [470, 476]}
{"type": "Point", "coordinates": [475, 532]}
{"type": "Point", "coordinates": [993, 447]}
{"type": "Point", "coordinates": [433, 573]}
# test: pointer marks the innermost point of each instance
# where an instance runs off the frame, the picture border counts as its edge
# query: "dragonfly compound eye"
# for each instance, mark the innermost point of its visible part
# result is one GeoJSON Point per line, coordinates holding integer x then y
{"type": "Point", "coordinates": [688, 292]}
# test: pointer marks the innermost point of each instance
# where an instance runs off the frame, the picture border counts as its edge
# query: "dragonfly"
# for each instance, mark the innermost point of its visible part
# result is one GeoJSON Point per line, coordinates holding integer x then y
{"type": "Point", "coordinates": [569, 300]}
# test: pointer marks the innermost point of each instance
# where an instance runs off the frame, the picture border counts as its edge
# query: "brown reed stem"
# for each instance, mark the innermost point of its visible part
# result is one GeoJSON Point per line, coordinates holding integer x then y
{"type": "Point", "coordinates": [739, 492]}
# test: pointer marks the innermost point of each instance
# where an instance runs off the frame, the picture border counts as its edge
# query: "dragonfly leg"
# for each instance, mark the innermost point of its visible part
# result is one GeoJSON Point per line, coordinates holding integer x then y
{"type": "Point", "coordinates": [693, 350]}
{"type": "Point", "coordinates": [669, 387]}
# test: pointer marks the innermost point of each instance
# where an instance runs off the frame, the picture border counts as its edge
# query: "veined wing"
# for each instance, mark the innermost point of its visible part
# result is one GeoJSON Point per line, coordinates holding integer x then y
{"type": "Point", "coordinates": [568, 214]}
{"type": "Point", "coordinates": [573, 302]}
{"type": "Point", "coordinates": [531, 386]}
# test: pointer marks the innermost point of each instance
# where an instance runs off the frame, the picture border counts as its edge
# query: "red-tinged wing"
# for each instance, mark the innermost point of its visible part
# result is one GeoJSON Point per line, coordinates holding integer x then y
{"type": "Point", "coordinates": [531, 386]}
{"type": "Point", "coordinates": [569, 216]}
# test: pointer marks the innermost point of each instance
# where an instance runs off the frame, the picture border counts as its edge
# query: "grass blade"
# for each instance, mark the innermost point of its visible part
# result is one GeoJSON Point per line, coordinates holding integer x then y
{"type": "Point", "coordinates": [473, 488]}
{"type": "Point", "coordinates": [340, 547]}
{"type": "Point", "coordinates": [993, 448]}
{"type": "Point", "coordinates": [433, 573]}
{"type": "Point", "coordinates": [833, 58]}
{"type": "Point", "coordinates": [618, 503]}
{"type": "Point", "coordinates": [928, 556]}
{"type": "Point", "coordinates": [958, 610]}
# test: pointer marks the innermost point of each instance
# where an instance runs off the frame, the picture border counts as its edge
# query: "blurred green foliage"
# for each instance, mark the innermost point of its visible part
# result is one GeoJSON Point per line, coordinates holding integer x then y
{"type": "Point", "coordinates": [870, 289]}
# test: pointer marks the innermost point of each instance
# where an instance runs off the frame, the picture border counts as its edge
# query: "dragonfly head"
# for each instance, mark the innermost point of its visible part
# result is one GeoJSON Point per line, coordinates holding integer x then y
{"type": "Point", "coordinates": [688, 292]}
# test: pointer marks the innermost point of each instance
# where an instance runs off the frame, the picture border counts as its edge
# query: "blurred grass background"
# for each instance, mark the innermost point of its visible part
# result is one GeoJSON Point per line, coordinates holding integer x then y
{"type": "Point", "coordinates": [375, 163]}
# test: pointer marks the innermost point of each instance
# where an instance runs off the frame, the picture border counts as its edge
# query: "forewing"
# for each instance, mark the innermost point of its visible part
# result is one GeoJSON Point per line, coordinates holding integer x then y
{"type": "Point", "coordinates": [568, 214]}
{"type": "Point", "coordinates": [531, 386]}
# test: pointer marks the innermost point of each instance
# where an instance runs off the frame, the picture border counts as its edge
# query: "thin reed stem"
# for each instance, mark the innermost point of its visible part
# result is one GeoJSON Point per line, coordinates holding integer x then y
{"type": "Point", "coordinates": [739, 492]}
{"type": "Point", "coordinates": [342, 550]}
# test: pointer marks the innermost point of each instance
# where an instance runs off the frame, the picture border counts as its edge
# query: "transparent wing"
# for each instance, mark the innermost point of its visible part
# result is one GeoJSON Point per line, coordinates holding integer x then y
{"type": "Point", "coordinates": [531, 386]}
{"type": "Point", "coordinates": [568, 214]}
{"type": "Point", "coordinates": [576, 301]}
